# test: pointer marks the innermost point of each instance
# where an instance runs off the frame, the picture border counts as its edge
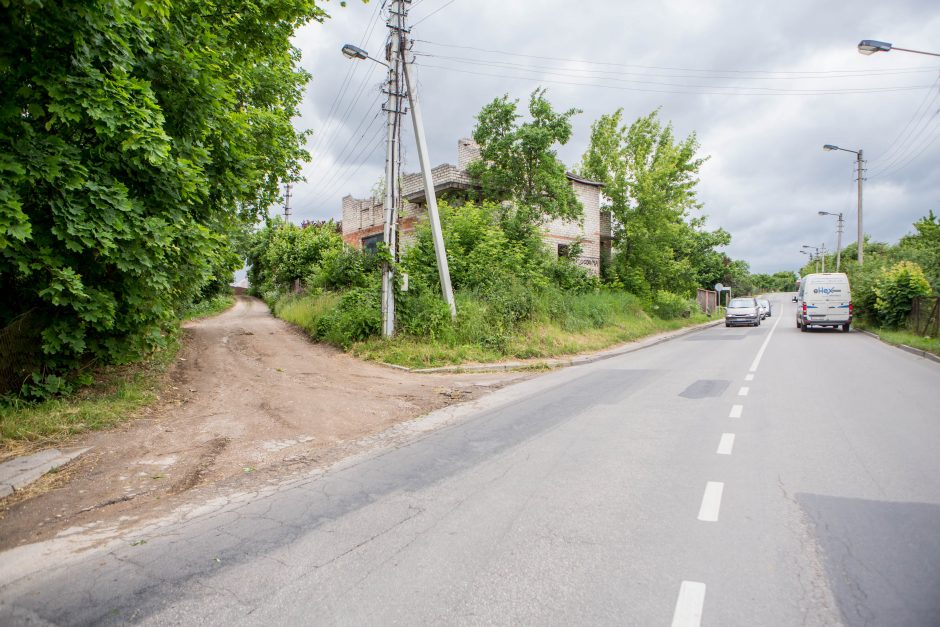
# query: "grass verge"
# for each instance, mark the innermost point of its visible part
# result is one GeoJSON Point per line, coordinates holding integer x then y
{"type": "Point", "coordinates": [210, 307]}
{"type": "Point", "coordinates": [903, 336]}
{"type": "Point", "coordinates": [558, 324]}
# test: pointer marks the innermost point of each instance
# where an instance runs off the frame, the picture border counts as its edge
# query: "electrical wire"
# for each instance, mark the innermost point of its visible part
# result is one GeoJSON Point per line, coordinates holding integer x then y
{"type": "Point", "coordinates": [867, 72]}
{"type": "Point", "coordinates": [745, 91]}
{"type": "Point", "coordinates": [911, 132]}
{"type": "Point", "coordinates": [352, 69]}
{"type": "Point", "coordinates": [434, 12]}
{"type": "Point", "coordinates": [911, 155]}
{"type": "Point", "coordinates": [593, 75]}
{"type": "Point", "coordinates": [615, 73]}
{"type": "Point", "coordinates": [335, 173]}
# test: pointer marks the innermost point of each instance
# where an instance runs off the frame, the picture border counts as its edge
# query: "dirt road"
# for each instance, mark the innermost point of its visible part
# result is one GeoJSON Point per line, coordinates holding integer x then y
{"type": "Point", "coordinates": [250, 400]}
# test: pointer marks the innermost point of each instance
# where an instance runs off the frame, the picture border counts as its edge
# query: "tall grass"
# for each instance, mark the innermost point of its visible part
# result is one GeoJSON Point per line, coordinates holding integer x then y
{"type": "Point", "coordinates": [556, 323]}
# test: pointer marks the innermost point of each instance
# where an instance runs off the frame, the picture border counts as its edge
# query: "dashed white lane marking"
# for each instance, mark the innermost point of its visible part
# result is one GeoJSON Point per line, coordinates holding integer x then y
{"type": "Point", "coordinates": [726, 444]}
{"type": "Point", "coordinates": [711, 501]}
{"type": "Point", "coordinates": [763, 347]}
{"type": "Point", "coordinates": [749, 377]}
{"type": "Point", "coordinates": [736, 411]}
{"type": "Point", "coordinates": [689, 605]}
{"type": "Point", "coordinates": [743, 391]}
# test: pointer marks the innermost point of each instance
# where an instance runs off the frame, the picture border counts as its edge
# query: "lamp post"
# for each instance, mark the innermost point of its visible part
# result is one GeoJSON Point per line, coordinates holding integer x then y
{"type": "Point", "coordinates": [839, 223]}
{"type": "Point", "coordinates": [871, 46]}
{"type": "Point", "coordinates": [859, 161]}
{"type": "Point", "coordinates": [811, 258]}
{"type": "Point", "coordinates": [818, 256]}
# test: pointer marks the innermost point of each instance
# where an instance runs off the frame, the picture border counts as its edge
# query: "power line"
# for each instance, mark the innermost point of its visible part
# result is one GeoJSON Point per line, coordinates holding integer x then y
{"type": "Point", "coordinates": [680, 69]}
{"type": "Point", "coordinates": [746, 91]}
{"type": "Point", "coordinates": [351, 70]}
{"type": "Point", "coordinates": [901, 164]}
{"type": "Point", "coordinates": [909, 132]}
{"type": "Point", "coordinates": [341, 177]}
{"type": "Point", "coordinates": [441, 8]}
{"type": "Point", "coordinates": [592, 74]}
{"type": "Point", "coordinates": [714, 75]}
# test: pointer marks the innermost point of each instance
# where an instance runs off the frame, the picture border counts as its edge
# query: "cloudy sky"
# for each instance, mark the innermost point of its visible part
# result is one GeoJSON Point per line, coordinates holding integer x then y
{"type": "Point", "coordinates": [763, 85]}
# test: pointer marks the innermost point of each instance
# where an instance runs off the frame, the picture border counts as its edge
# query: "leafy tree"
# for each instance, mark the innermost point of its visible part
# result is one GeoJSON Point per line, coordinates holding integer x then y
{"type": "Point", "coordinates": [518, 162]}
{"type": "Point", "coordinates": [650, 179]}
{"type": "Point", "coordinates": [136, 136]}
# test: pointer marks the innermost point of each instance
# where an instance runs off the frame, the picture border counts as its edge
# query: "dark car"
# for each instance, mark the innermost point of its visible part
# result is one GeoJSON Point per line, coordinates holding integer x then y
{"type": "Point", "coordinates": [743, 311]}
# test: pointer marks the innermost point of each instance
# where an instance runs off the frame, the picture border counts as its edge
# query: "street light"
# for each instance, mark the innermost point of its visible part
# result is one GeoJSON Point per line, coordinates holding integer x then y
{"type": "Point", "coordinates": [859, 161]}
{"type": "Point", "coordinates": [871, 46]}
{"type": "Point", "coordinates": [355, 52]}
{"type": "Point", "coordinates": [838, 236]}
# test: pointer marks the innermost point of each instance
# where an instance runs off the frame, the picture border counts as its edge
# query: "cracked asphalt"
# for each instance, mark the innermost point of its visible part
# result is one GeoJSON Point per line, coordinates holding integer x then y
{"type": "Point", "coordinates": [570, 498]}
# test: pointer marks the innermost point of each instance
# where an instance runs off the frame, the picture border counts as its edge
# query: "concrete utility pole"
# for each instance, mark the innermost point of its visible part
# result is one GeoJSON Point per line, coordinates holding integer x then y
{"type": "Point", "coordinates": [287, 196]}
{"type": "Point", "coordinates": [861, 232]}
{"type": "Point", "coordinates": [392, 166]}
{"type": "Point", "coordinates": [443, 269]}
{"type": "Point", "coordinates": [839, 225]}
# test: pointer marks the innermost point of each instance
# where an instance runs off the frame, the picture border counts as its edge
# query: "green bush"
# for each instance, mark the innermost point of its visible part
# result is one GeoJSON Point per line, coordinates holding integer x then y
{"type": "Point", "coordinates": [357, 317]}
{"type": "Point", "coordinates": [342, 268]}
{"type": "Point", "coordinates": [421, 312]}
{"type": "Point", "coordinates": [669, 306]}
{"type": "Point", "coordinates": [895, 291]}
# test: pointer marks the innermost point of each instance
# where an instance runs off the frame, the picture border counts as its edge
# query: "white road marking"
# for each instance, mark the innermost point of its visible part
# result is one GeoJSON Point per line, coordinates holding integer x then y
{"type": "Point", "coordinates": [743, 391]}
{"type": "Point", "coordinates": [711, 501]}
{"type": "Point", "coordinates": [726, 444]}
{"type": "Point", "coordinates": [689, 605]}
{"type": "Point", "coordinates": [749, 377]}
{"type": "Point", "coordinates": [736, 411]}
{"type": "Point", "coordinates": [763, 347]}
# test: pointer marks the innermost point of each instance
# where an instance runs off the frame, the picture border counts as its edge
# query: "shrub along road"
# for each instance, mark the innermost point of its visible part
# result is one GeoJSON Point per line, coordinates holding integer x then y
{"type": "Point", "coordinates": [250, 399]}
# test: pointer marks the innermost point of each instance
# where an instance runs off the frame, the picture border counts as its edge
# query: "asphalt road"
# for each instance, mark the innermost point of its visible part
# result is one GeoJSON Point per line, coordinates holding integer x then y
{"type": "Point", "coordinates": [742, 476]}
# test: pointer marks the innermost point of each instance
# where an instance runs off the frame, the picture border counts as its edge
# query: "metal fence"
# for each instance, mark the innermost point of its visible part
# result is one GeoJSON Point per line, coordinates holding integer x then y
{"type": "Point", "coordinates": [707, 301]}
{"type": "Point", "coordinates": [19, 351]}
{"type": "Point", "coordinates": [925, 316]}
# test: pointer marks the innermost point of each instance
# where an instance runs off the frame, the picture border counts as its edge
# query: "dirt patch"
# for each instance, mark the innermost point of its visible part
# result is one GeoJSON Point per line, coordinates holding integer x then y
{"type": "Point", "coordinates": [250, 399]}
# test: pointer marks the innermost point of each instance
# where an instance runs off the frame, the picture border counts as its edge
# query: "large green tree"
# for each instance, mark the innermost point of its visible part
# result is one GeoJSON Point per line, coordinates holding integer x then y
{"type": "Point", "coordinates": [518, 160]}
{"type": "Point", "coordinates": [649, 178]}
{"type": "Point", "coordinates": [135, 135]}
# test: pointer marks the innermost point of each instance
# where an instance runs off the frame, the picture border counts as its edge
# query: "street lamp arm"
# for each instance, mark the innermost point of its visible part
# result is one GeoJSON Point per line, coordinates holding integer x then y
{"type": "Point", "coordinates": [932, 54]}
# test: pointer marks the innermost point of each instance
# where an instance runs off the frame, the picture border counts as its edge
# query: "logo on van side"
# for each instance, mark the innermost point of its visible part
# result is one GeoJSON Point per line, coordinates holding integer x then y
{"type": "Point", "coordinates": [826, 290]}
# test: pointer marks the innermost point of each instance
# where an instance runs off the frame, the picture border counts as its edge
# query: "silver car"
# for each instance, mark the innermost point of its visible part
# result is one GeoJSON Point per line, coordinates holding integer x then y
{"type": "Point", "coordinates": [743, 311]}
{"type": "Point", "coordinates": [765, 309]}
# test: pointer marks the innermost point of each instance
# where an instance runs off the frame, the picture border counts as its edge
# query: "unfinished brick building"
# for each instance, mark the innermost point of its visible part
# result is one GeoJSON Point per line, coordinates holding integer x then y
{"type": "Point", "coordinates": [363, 217]}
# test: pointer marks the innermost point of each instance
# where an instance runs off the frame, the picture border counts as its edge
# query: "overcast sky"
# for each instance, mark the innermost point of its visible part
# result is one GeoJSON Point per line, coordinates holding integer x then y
{"type": "Point", "coordinates": [763, 85]}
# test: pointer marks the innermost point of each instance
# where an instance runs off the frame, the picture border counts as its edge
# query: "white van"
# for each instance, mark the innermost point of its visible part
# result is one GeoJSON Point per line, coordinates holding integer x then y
{"type": "Point", "coordinates": [824, 300]}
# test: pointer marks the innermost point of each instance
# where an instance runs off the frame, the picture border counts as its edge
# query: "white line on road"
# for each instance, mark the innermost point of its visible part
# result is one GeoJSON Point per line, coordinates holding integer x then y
{"type": "Point", "coordinates": [736, 411]}
{"type": "Point", "coordinates": [689, 605]}
{"type": "Point", "coordinates": [743, 391]}
{"type": "Point", "coordinates": [749, 377]}
{"type": "Point", "coordinates": [763, 347]}
{"type": "Point", "coordinates": [726, 444]}
{"type": "Point", "coordinates": [711, 501]}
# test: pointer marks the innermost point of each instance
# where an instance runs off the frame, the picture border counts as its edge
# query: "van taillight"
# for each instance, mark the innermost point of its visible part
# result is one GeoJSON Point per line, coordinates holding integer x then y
{"type": "Point", "coordinates": [804, 309]}
{"type": "Point", "coordinates": [850, 309]}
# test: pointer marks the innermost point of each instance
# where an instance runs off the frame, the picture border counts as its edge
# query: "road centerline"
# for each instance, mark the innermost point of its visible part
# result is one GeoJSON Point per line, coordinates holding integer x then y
{"type": "Point", "coordinates": [736, 411]}
{"type": "Point", "coordinates": [689, 604]}
{"type": "Point", "coordinates": [711, 501]}
{"type": "Point", "coordinates": [760, 353]}
{"type": "Point", "coordinates": [726, 445]}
